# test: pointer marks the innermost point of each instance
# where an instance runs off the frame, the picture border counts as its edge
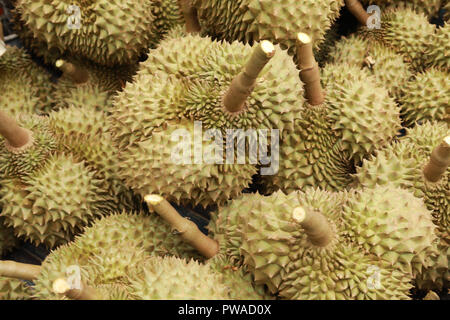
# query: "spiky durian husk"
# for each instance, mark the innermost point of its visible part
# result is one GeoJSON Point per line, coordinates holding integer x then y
{"type": "Point", "coordinates": [8, 240]}
{"type": "Point", "coordinates": [167, 15]}
{"type": "Point", "coordinates": [112, 32]}
{"type": "Point", "coordinates": [13, 289]}
{"type": "Point", "coordinates": [17, 70]}
{"type": "Point", "coordinates": [389, 68]}
{"type": "Point", "coordinates": [401, 164]}
{"type": "Point", "coordinates": [392, 224]}
{"type": "Point", "coordinates": [158, 165]}
{"type": "Point", "coordinates": [364, 114]}
{"type": "Point", "coordinates": [322, 53]}
{"type": "Point", "coordinates": [446, 7]}
{"type": "Point", "coordinates": [19, 163]}
{"type": "Point", "coordinates": [19, 96]}
{"type": "Point", "coordinates": [430, 7]}
{"type": "Point", "coordinates": [438, 48]}
{"type": "Point", "coordinates": [172, 84]}
{"type": "Point", "coordinates": [172, 278]}
{"type": "Point", "coordinates": [406, 32]}
{"type": "Point", "coordinates": [54, 203]}
{"type": "Point", "coordinates": [277, 21]}
{"type": "Point", "coordinates": [425, 98]}
{"type": "Point", "coordinates": [83, 132]}
{"type": "Point", "coordinates": [311, 155]}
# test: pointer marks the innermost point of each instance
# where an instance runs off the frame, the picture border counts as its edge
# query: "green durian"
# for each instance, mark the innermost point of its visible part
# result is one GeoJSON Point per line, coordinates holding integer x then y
{"type": "Point", "coordinates": [406, 32]}
{"type": "Point", "coordinates": [437, 53]}
{"type": "Point", "coordinates": [364, 115]}
{"type": "Point", "coordinates": [158, 165]}
{"type": "Point", "coordinates": [24, 161]}
{"type": "Point", "coordinates": [387, 67]}
{"type": "Point", "coordinates": [13, 289]}
{"type": "Point", "coordinates": [256, 20]}
{"type": "Point", "coordinates": [19, 96]}
{"type": "Point", "coordinates": [172, 278]}
{"type": "Point", "coordinates": [392, 224]}
{"type": "Point", "coordinates": [425, 98]}
{"type": "Point", "coordinates": [8, 240]}
{"type": "Point", "coordinates": [167, 15]}
{"type": "Point", "coordinates": [109, 32]}
{"type": "Point", "coordinates": [83, 131]}
{"type": "Point", "coordinates": [53, 203]}
{"type": "Point", "coordinates": [430, 7]}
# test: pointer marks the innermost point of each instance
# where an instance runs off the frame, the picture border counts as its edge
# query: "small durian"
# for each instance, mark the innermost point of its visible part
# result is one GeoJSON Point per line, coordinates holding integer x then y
{"type": "Point", "coordinates": [26, 144]}
{"type": "Point", "coordinates": [425, 98]}
{"type": "Point", "coordinates": [53, 203]}
{"type": "Point", "coordinates": [438, 48]}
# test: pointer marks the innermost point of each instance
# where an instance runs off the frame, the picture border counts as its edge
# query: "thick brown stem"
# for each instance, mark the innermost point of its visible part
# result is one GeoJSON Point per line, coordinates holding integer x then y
{"type": "Point", "coordinates": [2, 36]}
{"type": "Point", "coordinates": [17, 270]}
{"type": "Point", "coordinates": [190, 16]}
{"type": "Point", "coordinates": [309, 70]}
{"type": "Point", "coordinates": [439, 161]}
{"type": "Point", "coordinates": [356, 9]}
{"type": "Point", "coordinates": [187, 229]}
{"type": "Point", "coordinates": [16, 137]}
{"type": "Point", "coordinates": [62, 286]}
{"type": "Point", "coordinates": [242, 85]}
{"type": "Point", "coordinates": [316, 226]}
{"type": "Point", "coordinates": [77, 74]}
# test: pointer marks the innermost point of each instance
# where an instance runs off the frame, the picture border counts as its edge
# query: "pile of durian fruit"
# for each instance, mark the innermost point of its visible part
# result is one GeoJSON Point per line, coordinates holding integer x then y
{"type": "Point", "coordinates": [359, 205]}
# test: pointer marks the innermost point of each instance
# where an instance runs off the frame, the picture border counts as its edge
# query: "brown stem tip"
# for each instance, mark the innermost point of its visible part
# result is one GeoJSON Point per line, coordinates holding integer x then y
{"type": "Point", "coordinates": [76, 73]}
{"type": "Point", "coordinates": [23, 271]}
{"type": "Point", "coordinates": [439, 161]}
{"type": "Point", "coordinates": [17, 138]}
{"type": "Point", "coordinates": [309, 70]}
{"type": "Point", "coordinates": [187, 229]}
{"type": "Point", "coordinates": [62, 286]}
{"type": "Point", "coordinates": [316, 226]}
{"type": "Point", "coordinates": [243, 84]}
{"type": "Point", "coordinates": [357, 10]}
{"type": "Point", "coordinates": [190, 16]}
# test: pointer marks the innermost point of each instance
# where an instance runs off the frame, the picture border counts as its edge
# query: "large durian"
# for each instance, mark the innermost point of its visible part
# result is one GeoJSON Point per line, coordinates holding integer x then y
{"type": "Point", "coordinates": [53, 203]}
{"type": "Point", "coordinates": [277, 21]}
{"type": "Point", "coordinates": [437, 53]}
{"type": "Point", "coordinates": [430, 7]}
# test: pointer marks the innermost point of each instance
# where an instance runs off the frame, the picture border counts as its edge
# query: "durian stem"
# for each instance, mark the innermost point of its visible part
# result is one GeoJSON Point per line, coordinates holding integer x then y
{"type": "Point", "coordinates": [186, 228]}
{"type": "Point", "coordinates": [190, 16]}
{"type": "Point", "coordinates": [439, 161]}
{"type": "Point", "coordinates": [316, 226]}
{"type": "Point", "coordinates": [243, 84]}
{"type": "Point", "coordinates": [77, 74]}
{"type": "Point", "coordinates": [357, 10]}
{"type": "Point", "coordinates": [61, 286]}
{"type": "Point", "coordinates": [2, 36]}
{"type": "Point", "coordinates": [17, 270]}
{"type": "Point", "coordinates": [16, 136]}
{"type": "Point", "coordinates": [309, 70]}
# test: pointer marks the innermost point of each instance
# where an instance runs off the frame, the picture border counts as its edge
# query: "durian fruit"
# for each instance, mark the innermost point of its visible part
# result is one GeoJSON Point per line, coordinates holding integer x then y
{"type": "Point", "coordinates": [199, 86]}
{"type": "Point", "coordinates": [430, 7]}
{"type": "Point", "coordinates": [55, 202]}
{"type": "Point", "coordinates": [277, 21]}
{"type": "Point", "coordinates": [164, 164]}
{"type": "Point", "coordinates": [438, 49]}
{"type": "Point", "coordinates": [25, 85]}
{"type": "Point", "coordinates": [88, 85]}
{"type": "Point", "coordinates": [8, 240]}
{"type": "Point", "coordinates": [293, 244]}
{"type": "Point", "coordinates": [388, 67]}
{"type": "Point", "coordinates": [167, 15]}
{"type": "Point", "coordinates": [109, 32]}
{"type": "Point", "coordinates": [14, 289]}
{"type": "Point", "coordinates": [26, 144]}
{"type": "Point", "coordinates": [424, 98]}
{"type": "Point", "coordinates": [83, 131]}
{"type": "Point", "coordinates": [404, 30]}
{"type": "Point", "coordinates": [171, 278]}
{"type": "Point", "coordinates": [392, 224]}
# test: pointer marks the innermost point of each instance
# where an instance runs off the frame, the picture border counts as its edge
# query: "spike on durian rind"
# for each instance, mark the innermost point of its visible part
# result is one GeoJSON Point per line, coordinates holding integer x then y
{"type": "Point", "coordinates": [54, 203]}
{"type": "Point", "coordinates": [160, 165]}
{"type": "Point", "coordinates": [172, 278]}
{"type": "Point", "coordinates": [387, 67]}
{"type": "Point", "coordinates": [278, 22]}
{"type": "Point", "coordinates": [363, 113]}
{"type": "Point", "coordinates": [424, 98]}
{"type": "Point", "coordinates": [401, 164]}
{"type": "Point", "coordinates": [26, 162]}
{"type": "Point", "coordinates": [113, 32]}
{"type": "Point", "coordinates": [392, 224]}
{"type": "Point", "coordinates": [13, 289]}
{"type": "Point", "coordinates": [437, 53]}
